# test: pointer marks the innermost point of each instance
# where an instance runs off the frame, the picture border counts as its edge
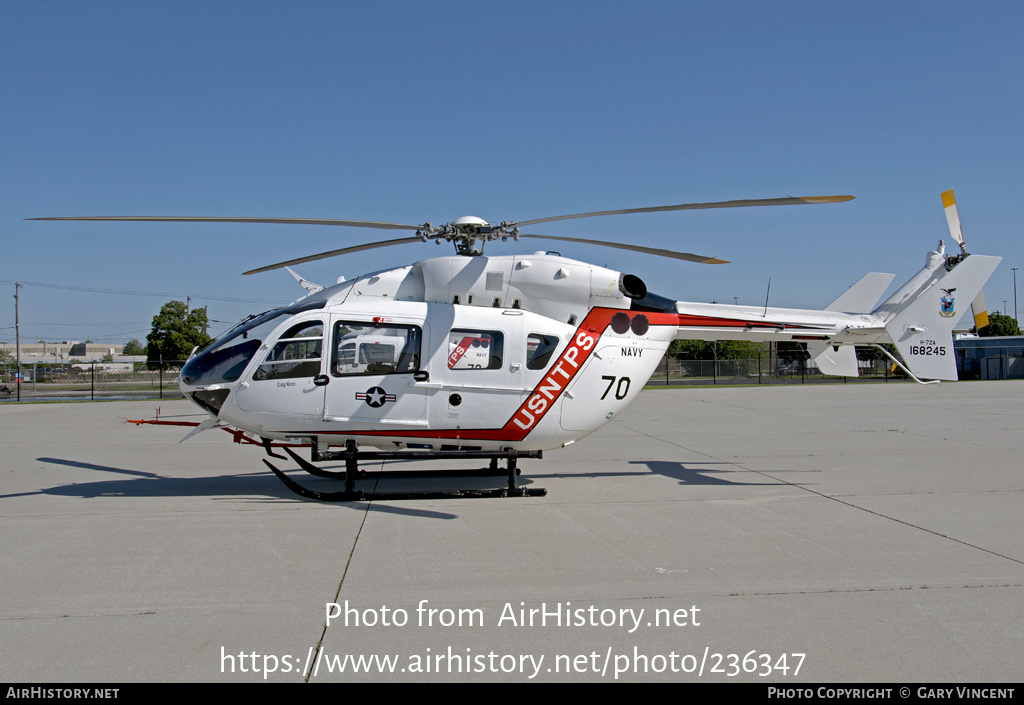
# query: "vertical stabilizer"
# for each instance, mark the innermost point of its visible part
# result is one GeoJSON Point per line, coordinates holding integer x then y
{"type": "Point", "coordinates": [922, 314]}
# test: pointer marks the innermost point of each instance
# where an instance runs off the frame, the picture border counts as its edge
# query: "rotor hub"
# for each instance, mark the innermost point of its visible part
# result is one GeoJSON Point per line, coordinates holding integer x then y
{"type": "Point", "coordinates": [464, 233]}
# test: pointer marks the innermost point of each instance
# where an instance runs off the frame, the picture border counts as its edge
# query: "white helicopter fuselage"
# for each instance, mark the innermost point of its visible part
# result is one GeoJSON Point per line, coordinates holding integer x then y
{"type": "Point", "coordinates": [518, 352]}
{"type": "Point", "coordinates": [528, 352]}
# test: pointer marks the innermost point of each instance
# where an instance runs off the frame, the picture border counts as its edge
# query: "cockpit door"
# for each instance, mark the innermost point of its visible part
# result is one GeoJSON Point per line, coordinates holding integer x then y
{"type": "Point", "coordinates": [283, 386]}
{"type": "Point", "coordinates": [370, 383]}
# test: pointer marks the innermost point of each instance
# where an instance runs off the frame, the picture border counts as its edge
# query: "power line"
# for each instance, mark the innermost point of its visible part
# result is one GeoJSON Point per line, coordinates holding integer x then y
{"type": "Point", "coordinates": [95, 290]}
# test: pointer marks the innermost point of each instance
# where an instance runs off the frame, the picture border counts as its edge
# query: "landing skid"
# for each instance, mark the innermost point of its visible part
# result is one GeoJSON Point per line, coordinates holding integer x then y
{"type": "Point", "coordinates": [352, 456]}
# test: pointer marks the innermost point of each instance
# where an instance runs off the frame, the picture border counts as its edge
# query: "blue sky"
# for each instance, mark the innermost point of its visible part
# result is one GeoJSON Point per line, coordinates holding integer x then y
{"type": "Point", "coordinates": [426, 111]}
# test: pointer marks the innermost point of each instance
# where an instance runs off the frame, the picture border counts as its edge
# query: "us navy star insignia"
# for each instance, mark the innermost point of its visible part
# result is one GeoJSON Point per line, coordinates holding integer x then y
{"type": "Point", "coordinates": [375, 397]}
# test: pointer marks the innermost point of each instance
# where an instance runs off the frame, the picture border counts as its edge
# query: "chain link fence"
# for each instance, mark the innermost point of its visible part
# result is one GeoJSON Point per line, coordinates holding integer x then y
{"type": "Point", "coordinates": [89, 381]}
{"type": "Point", "coordinates": [123, 381]}
{"type": "Point", "coordinates": [675, 370]}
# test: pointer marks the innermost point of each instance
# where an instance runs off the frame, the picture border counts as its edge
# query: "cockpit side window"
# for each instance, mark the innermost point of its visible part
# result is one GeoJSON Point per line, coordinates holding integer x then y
{"type": "Point", "coordinates": [296, 354]}
{"type": "Point", "coordinates": [369, 349]}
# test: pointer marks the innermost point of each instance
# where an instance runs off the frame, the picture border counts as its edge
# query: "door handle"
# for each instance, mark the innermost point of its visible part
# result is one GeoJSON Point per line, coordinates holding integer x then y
{"type": "Point", "coordinates": [321, 380]}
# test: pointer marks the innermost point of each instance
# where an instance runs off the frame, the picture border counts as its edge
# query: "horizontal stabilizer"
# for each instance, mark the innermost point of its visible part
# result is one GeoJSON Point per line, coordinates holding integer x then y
{"type": "Point", "coordinates": [862, 296]}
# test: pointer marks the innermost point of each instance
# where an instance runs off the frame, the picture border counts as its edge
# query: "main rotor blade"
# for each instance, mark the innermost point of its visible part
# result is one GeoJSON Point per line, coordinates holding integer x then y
{"type": "Point", "coordinates": [334, 253]}
{"type": "Point", "coordinates": [636, 248]}
{"type": "Point", "coordinates": [203, 219]}
{"type": "Point", "coordinates": [788, 201]}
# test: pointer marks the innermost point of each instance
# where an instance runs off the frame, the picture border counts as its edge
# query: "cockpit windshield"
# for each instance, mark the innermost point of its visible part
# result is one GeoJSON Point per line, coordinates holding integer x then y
{"type": "Point", "coordinates": [227, 357]}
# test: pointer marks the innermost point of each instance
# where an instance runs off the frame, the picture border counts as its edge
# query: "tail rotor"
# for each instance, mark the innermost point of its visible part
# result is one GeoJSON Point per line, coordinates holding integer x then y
{"type": "Point", "coordinates": [956, 232]}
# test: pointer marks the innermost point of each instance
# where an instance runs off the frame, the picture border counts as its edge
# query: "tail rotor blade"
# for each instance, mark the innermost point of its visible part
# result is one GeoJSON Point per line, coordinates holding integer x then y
{"type": "Point", "coordinates": [953, 219]}
{"type": "Point", "coordinates": [980, 311]}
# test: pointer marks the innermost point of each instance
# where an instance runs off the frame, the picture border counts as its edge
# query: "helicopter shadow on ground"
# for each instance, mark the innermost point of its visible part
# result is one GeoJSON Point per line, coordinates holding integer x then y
{"type": "Point", "coordinates": [694, 474]}
{"type": "Point", "coordinates": [698, 474]}
{"type": "Point", "coordinates": [256, 486]}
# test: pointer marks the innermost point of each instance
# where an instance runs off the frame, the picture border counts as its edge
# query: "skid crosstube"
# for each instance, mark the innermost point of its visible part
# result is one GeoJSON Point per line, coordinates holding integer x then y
{"type": "Point", "coordinates": [351, 455]}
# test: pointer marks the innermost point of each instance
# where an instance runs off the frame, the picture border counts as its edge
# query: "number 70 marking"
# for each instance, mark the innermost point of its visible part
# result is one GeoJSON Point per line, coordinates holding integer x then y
{"type": "Point", "coordinates": [621, 389]}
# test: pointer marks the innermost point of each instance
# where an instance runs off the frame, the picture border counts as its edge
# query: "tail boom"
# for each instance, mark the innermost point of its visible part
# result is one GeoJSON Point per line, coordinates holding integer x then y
{"type": "Point", "coordinates": [918, 319]}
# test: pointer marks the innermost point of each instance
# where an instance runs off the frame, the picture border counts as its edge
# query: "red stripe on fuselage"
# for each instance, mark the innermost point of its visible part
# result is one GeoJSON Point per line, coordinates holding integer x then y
{"type": "Point", "coordinates": [687, 320]}
{"type": "Point", "coordinates": [708, 321]}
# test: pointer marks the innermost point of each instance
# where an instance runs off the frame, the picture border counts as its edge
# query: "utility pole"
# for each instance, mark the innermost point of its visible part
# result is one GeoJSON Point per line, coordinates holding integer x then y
{"type": "Point", "coordinates": [17, 339]}
{"type": "Point", "coordinates": [1014, 270]}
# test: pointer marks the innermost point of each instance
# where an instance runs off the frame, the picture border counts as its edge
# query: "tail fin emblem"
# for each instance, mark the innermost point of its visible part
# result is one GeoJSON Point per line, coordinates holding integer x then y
{"type": "Point", "coordinates": [946, 303]}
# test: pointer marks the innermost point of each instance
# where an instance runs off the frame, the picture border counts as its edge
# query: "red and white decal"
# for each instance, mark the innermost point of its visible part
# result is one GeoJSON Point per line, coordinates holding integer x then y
{"type": "Point", "coordinates": [556, 380]}
{"type": "Point", "coordinates": [459, 351]}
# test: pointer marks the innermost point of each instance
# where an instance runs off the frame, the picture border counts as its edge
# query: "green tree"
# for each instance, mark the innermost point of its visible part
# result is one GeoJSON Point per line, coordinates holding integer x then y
{"type": "Point", "coordinates": [691, 349]}
{"type": "Point", "coordinates": [133, 347]}
{"type": "Point", "coordinates": [176, 331]}
{"type": "Point", "coordinates": [718, 350]}
{"type": "Point", "coordinates": [998, 324]}
{"type": "Point", "coordinates": [741, 349]}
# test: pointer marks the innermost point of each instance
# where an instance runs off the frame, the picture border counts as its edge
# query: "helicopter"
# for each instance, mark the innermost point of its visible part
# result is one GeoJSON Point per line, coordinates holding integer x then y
{"type": "Point", "coordinates": [470, 356]}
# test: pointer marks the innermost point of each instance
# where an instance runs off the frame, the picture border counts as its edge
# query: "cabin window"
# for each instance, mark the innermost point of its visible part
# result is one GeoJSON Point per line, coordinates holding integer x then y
{"type": "Point", "coordinates": [539, 349]}
{"type": "Point", "coordinates": [295, 354]}
{"type": "Point", "coordinates": [475, 350]}
{"type": "Point", "coordinates": [369, 349]}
